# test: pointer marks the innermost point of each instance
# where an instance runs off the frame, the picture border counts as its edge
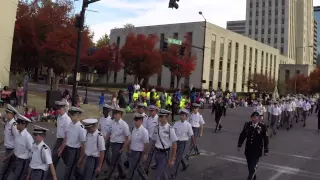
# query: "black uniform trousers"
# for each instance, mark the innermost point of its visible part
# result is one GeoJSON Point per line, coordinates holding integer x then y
{"type": "Point", "coordinates": [252, 162]}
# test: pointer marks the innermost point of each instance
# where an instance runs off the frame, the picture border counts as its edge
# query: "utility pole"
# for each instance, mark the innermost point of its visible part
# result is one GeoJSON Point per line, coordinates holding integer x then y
{"type": "Point", "coordinates": [79, 25]}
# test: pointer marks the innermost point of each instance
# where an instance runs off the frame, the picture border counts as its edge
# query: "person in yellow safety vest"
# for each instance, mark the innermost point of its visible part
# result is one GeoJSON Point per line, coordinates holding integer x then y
{"type": "Point", "coordinates": [135, 96]}
{"type": "Point", "coordinates": [148, 97]}
{"type": "Point", "coordinates": [143, 93]}
{"type": "Point", "coordinates": [158, 103]}
{"type": "Point", "coordinates": [182, 103]}
{"type": "Point", "coordinates": [169, 102]}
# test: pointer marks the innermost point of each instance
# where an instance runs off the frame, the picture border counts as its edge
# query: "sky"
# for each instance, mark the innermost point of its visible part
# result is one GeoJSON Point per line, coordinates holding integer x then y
{"type": "Point", "coordinates": [115, 13]}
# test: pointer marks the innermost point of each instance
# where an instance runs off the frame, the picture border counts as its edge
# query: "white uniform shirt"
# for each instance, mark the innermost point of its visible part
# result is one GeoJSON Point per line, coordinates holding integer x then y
{"type": "Point", "coordinates": [94, 144]}
{"type": "Point", "coordinates": [150, 124]}
{"type": "Point", "coordinates": [260, 109]}
{"type": "Point", "coordinates": [196, 120]}
{"type": "Point", "coordinates": [76, 134]}
{"type": "Point", "coordinates": [119, 130]}
{"type": "Point", "coordinates": [276, 111]}
{"type": "Point", "coordinates": [145, 118]}
{"type": "Point", "coordinates": [167, 135]}
{"type": "Point", "coordinates": [183, 130]}
{"type": "Point", "coordinates": [10, 131]}
{"type": "Point", "coordinates": [306, 106]}
{"type": "Point", "coordinates": [62, 125]}
{"type": "Point", "coordinates": [40, 156]}
{"type": "Point", "coordinates": [23, 144]}
{"type": "Point", "coordinates": [289, 107]}
{"type": "Point", "coordinates": [270, 108]}
{"type": "Point", "coordinates": [105, 125]}
{"type": "Point", "coordinates": [139, 138]}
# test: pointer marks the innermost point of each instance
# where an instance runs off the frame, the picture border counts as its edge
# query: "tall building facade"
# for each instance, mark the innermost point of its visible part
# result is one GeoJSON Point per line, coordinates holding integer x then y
{"type": "Point", "coordinates": [237, 26]}
{"type": "Point", "coordinates": [229, 58]}
{"type": "Point", "coordinates": [283, 24]}
{"type": "Point", "coordinates": [8, 10]}
{"type": "Point", "coordinates": [316, 10]}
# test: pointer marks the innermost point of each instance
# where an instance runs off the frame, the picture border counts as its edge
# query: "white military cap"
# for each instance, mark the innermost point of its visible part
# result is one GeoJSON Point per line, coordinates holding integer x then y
{"type": "Point", "coordinates": [118, 109]}
{"type": "Point", "coordinates": [89, 122]}
{"type": "Point", "coordinates": [141, 105]}
{"type": "Point", "coordinates": [138, 116]}
{"type": "Point", "coordinates": [60, 103]}
{"type": "Point", "coordinates": [22, 119]}
{"type": "Point", "coordinates": [11, 109]}
{"type": "Point", "coordinates": [163, 112]}
{"type": "Point", "coordinates": [152, 107]}
{"type": "Point", "coordinates": [195, 105]}
{"type": "Point", "coordinates": [183, 110]}
{"type": "Point", "coordinates": [39, 130]}
{"type": "Point", "coordinates": [75, 110]}
{"type": "Point", "coordinates": [107, 106]}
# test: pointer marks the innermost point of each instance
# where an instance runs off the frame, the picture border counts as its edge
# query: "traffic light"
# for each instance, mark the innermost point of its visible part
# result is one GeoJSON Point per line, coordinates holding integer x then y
{"type": "Point", "coordinates": [173, 4]}
{"type": "Point", "coordinates": [165, 46]}
{"type": "Point", "coordinates": [182, 49]}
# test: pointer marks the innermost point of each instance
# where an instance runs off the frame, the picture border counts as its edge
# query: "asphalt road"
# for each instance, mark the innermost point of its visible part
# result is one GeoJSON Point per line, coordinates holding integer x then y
{"type": "Point", "coordinates": [294, 155]}
{"type": "Point", "coordinates": [93, 96]}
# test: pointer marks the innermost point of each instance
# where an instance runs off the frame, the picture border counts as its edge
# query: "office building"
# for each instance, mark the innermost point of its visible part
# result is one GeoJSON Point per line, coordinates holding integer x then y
{"type": "Point", "coordinates": [237, 26]}
{"type": "Point", "coordinates": [316, 10]}
{"type": "Point", "coordinates": [8, 10]}
{"type": "Point", "coordinates": [284, 24]}
{"type": "Point", "coordinates": [229, 58]}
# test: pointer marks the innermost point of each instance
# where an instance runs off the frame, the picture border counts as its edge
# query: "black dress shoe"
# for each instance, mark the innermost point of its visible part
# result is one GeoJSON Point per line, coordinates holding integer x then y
{"type": "Point", "coordinates": [185, 168]}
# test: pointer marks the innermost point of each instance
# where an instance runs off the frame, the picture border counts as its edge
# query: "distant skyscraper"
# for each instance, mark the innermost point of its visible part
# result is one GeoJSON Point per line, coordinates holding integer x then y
{"type": "Point", "coordinates": [317, 35]}
{"type": "Point", "coordinates": [237, 26]}
{"type": "Point", "coordinates": [284, 24]}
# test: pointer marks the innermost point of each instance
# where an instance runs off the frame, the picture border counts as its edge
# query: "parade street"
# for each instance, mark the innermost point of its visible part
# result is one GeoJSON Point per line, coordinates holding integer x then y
{"type": "Point", "coordinates": [294, 154]}
{"type": "Point", "coordinates": [93, 96]}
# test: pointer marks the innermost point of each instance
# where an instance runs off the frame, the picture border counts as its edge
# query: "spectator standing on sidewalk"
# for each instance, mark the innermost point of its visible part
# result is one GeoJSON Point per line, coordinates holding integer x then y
{"type": "Point", "coordinates": [20, 95]}
{"type": "Point", "coordinates": [101, 101]}
{"type": "Point", "coordinates": [131, 91]}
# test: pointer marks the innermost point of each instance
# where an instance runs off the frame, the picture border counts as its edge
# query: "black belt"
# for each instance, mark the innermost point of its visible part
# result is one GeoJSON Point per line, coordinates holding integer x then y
{"type": "Point", "coordinates": [73, 147]}
{"type": "Point", "coordinates": [60, 138]}
{"type": "Point", "coordinates": [116, 143]}
{"type": "Point", "coordinates": [9, 149]}
{"type": "Point", "coordinates": [162, 150]}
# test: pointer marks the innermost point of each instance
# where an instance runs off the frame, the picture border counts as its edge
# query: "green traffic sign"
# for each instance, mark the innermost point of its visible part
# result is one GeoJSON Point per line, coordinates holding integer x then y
{"type": "Point", "coordinates": [174, 41]}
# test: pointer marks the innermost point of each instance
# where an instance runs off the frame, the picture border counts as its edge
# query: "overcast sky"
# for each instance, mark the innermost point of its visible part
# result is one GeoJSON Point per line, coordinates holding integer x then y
{"type": "Point", "coordinates": [116, 13]}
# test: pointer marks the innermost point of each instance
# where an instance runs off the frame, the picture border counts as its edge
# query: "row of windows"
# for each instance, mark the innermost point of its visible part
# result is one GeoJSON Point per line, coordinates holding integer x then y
{"type": "Point", "coordinates": [235, 70]}
{"type": "Point", "coordinates": [269, 21]}
{"type": "Point", "coordinates": [269, 3]}
{"type": "Point", "coordinates": [269, 31]}
{"type": "Point", "coordinates": [263, 12]}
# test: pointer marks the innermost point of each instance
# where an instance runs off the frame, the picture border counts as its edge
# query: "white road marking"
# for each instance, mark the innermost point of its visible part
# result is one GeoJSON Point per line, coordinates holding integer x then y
{"type": "Point", "coordinates": [276, 176]}
{"type": "Point", "coordinates": [283, 169]}
{"type": "Point", "coordinates": [294, 155]}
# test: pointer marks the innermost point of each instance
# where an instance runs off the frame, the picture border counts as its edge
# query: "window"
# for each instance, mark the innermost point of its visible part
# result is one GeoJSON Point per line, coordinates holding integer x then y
{"type": "Point", "coordinates": [282, 40]}
{"type": "Point", "coordinates": [281, 50]}
{"type": "Point", "coordinates": [275, 40]}
{"type": "Point", "coordinates": [287, 75]}
{"type": "Point", "coordinates": [219, 84]}
{"type": "Point", "coordinates": [282, 30]}
{"type": "Point", "coordinates": [269, 40]}
{"type": "Point", "coordinates": [283, 2]}
{"type": "Point", "coordinates": [276, 30]}
{"type": "Point", "coordinates": [210, 84]}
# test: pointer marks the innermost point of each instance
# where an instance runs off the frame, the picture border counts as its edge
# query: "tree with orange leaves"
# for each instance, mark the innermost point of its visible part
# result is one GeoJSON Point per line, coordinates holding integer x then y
{"type": "Point", "coordinates": [314, 80]}
{"type": "Point", "coordinates": [180, 65]}
{"type": "Point", "coordinates": [299, 84]}
{"type": "Point", "coordinates": [141, 57]}
{"type": "Point", "coordinates": [105, 60]}
{"type": "Point", "coordinates": [261, 83]}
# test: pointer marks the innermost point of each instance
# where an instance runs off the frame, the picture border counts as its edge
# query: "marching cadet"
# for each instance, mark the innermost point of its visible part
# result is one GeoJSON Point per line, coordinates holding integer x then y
{"type": "Point", "coordinates": [306, 108]}
{"type": "Point", "coordinates": [256, 135]}
{"type": "Point", "coordinates": [275, 114]}
{"type": "Point", "coordinates": [289, 113]}
{"type": "Point", "coordinates": [138, 149]}
{"type": "Point", "coordinates": [150, 125]}
{"type": "Point", "coordinates": [299, 105]}
{"type": "Point", "coordinates": [75, 142]}
{"type": "Point", "coordinates": [119, 138]}
{"type": "Point", "coordinates": [104, 127]}
{"type": "Point", "coordinates": [165, 138]}
{"type": "Point", "coordinates": [219, 107]}
{"type": "Point", "coordinates": [22, 147]}
{"type": "Point", "coordinates": [269, 109]}
{"type": "Point", "coordinates": [10, 132]}
{"type": "Point", "coordinates": [41, 158]}
{"type": "Point", "coordinates": [63, 122]}
{"type": "Point", "coordinates": [183, 132]}
{"type": "Point", "coordinates": [94, 151]}
{"type": "Point", "coordinates": [260, 109]}
{"type": "Point", "coordinates": [197, 122]}
{"type": "Point", "coordinates": [141, 110]}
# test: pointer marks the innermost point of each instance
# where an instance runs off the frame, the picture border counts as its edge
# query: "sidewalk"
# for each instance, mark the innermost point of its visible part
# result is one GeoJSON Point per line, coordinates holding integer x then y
{"type": "Point", "coordinates": [39, 102]}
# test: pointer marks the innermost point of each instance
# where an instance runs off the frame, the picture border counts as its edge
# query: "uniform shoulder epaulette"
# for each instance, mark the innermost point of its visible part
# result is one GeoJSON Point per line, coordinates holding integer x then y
{"type": "Point", "coordinates": [99, 134]}
{"type": "Point", "coordinates": [14, 123]}
{"type": "Point", "coordinates": [44, 146]}
{"type": "Point", "coordinates": [81, 126]}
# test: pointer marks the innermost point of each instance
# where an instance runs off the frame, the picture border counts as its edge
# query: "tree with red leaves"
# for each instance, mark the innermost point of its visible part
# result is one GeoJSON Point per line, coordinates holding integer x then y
{"type": "Point", "coordinates": [105, 60]}
{"type": "Point", "coordinates": [314, 80]}
{"type": "Point", "coordinates": [301, 83]}
{"type": "Point", "coordinates": [261, 83]}
{"type": "Point", "coordinates": [180, 66]}
{"type": "Point", "coordinates": [141, 57]}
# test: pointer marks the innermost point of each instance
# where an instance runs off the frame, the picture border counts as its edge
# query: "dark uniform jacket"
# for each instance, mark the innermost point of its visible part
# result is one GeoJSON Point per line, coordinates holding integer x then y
{"type": "Point", "coordinates": [257, 139]}
{"type": "Point", "coordinates": [219, 108]}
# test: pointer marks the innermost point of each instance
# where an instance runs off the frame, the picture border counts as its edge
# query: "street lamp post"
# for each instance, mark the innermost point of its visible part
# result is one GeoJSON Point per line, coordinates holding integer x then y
{"type": "Point", "coordinates": [204, 43]}
{"type": "Point", "coordinates": [295, 67]}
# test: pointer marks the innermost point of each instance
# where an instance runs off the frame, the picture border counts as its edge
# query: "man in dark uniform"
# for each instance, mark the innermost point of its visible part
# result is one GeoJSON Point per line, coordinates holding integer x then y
{"type": "Point", "coordinates": [257, 141]}
{"type": "Point", "coordinates": [219, 107]}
